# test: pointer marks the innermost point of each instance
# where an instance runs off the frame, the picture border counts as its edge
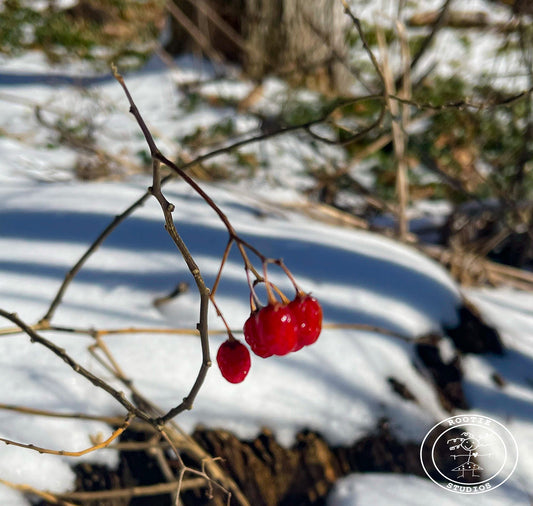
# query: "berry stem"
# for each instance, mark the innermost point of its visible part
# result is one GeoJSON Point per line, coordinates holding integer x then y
{"type": "Point", "coordinates": [221, 316]}
{"type": "Point", "coordinates": [282, 296]}
{"type": "Point", "coordinates": [270, 294]}
{"type": "Point", "coordinates": [222, 263]}
{"type": "Point", "coordinates": [255, 303]}
{"type": "Point", "coordinates": [299, 291]}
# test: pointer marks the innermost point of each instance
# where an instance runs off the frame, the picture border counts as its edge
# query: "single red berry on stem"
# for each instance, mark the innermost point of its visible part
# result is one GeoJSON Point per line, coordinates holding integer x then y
{"type": "Point", "coordinates": [233, 359]}
{"type": "Point", "coordinates": [251, 335]}
{"type": "Point", "coordinates": [276, 329]}
{"type": "Point", "coordinates": [308, 315]}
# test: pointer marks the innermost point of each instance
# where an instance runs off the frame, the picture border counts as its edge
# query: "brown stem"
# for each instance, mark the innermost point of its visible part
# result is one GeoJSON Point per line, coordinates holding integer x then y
{"type": "Point", "coordinates": [357, 23]}
{"type": "Point", "coordinates": [288, 273]}
{"type": "Point", "coordinates": [94, 246]}
{"type": "Point", "coordinates": [222, 263]}
{"type": "Point", "coordinates": [63, 355]}
{"type": "Point", "coordinates": [168, 208]}
{"type": "Point", "coordinates": [138, 491]}
{"type": "Point", "coordinates": [270, 294]}
{"type": "Point", "coordinates": [204, 292]}
{"type": "Point", "coordinates": [99, 446]}
{"type": "Point", "coordinates": [221, 316]}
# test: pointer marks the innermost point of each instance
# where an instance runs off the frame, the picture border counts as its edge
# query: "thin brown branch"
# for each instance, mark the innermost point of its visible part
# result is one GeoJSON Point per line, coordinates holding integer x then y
{"type": "Point", "coordinates": [467, 104]}
{"type": "Point", "coordinates": [159, 455]}
{"type": "Point", "coordinates": [461, 19]}
{"type": "Point", "coordinates": [398, 138]}
{"type": "Point", "coordinates": [114, 366]}
{"type": "Point", "coordinates": [222, 263]}
{"type": "Point", "coordinates": [27, 489]}
{"type": "Point", "coordinates": [437, 25]}
{"type": "Point", "coordinates": [168, 208]}
{"type": "Point", "coordinates": [228, 30]}
{"type": "Point", "coordinates": [92, 248]}
{"type": "Point", "coordinates": [357, 23]}
{"type": "Point", "coordinates": [135, 446]}
{"type": "Point", "coordinates": [403, 179]}
{"type": "Point", "coordinates": [336, 54]}
{"type": "Point", "coordinates": [113, 420]}
{"type": "Point", "coordinates": [193, 31]}
{"type": "Point", "coordinates": [173, 435]}
{"type": "Point", "coordinates": [135, 330]}
{"type": "Point", "coordinates": [139, 491]}
{"type": "Point", "coordinates": [63, 355]}
{"type": "Point", "coordinates": [79, 453]}
{"type": "Point", "coordinates": [352, 138]}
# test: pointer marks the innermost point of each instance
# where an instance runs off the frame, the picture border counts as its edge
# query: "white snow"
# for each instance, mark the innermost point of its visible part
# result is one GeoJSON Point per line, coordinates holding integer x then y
{"type": "Point", "coordinates": [357, 276]}
{"type": "Point", "coordinates": [338, 386]}
{"type": "Point", "coordinates": [376, 489]}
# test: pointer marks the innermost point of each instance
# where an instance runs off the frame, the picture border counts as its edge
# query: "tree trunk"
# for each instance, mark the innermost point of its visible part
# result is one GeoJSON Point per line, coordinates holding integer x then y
{"type": "Point", "coordinates": [302, 41]}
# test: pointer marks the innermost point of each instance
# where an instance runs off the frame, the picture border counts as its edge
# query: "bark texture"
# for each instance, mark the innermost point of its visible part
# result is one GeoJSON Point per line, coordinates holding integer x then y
{"type": "Point", "coordinates": [302, 41]}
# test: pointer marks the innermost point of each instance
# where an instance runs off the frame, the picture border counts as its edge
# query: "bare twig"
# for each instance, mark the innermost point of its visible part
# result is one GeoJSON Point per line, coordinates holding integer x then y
{"type": "Point", "coordinates": [398, 137]}
{"type": "Point", "coordinates": [193, 31]}
{"type": "Point", "coordinates": [113, 420]}
{"type": "Point", "coordinates": [440, 21]}
{"type": "Point", "coordinates": [78, 453]}
{"type": "Point", "coordinates": [92, 248]}
{"type": "Point", "coordinates": [355, 136]}
{"type": "Point", "coordinates": [229, 31]}
{"type": "Point", "coordinates": [167, 208]}
{"type": "Point", "coordinates": [139, 491]}
{"type": "Point", "coordinates": [357, 23]}
{"type": "Point", "coordinates": [403, 180]}
{"type": "Point", "coordinates": [172, 433]}
{"type": "Point", "coordinates": [63, 355]}
{"type": "Point", "coordinates": [27, 489]}
{"type": "Point", "coordinates": [336, 54]}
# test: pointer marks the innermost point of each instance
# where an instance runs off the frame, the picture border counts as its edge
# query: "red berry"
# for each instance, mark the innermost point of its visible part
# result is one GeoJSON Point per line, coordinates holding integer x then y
{"type": "Point", "coordinates": [251, 335]}
{"type": "Point", "coordinates": [308, 315]}
{"type": "Point", "coordinates": [276, 329]}
{"type": "Point", "coordinates": [233, 360]}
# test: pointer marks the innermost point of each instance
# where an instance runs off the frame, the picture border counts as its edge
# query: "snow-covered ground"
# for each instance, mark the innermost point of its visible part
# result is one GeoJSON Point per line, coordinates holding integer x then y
{"type": "Point", "coordinates": [337, 386]}
{"type": "Point", "coordinates": [382, 489]}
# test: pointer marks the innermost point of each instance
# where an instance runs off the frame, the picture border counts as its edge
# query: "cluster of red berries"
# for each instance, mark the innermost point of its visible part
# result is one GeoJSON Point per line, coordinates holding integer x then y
{"type": "Point", "coordinates": [275, 329]}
